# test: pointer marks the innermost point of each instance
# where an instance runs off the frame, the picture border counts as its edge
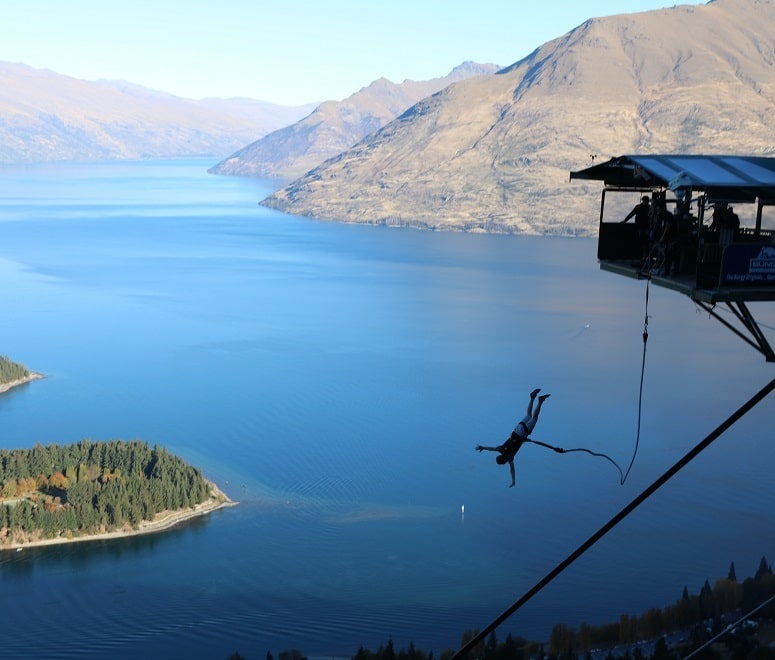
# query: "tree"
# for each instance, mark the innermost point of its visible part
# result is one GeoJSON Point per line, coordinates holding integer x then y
{"type": "Point", "coordinates": [707, 608]}
{"type": "Point", "coordinates": [727, 594]}
{"type": "Point", "coordinates": [58, 481]}
{"type": "Point", "coordinates": [492, 646]}
{"type": "Point", "coordinates": [8, 489]}
{"type": "Point", "coordinates": [661, 652]}
{"type": "Point", "coordinates": [468, 635]}
{"type": "Point", "coordinates": [627, 628]}
{"type": "Point", "coordinates": [652, 624]}
{"type": "Point", "coordinates": [292, 654]}
{"type": "Point", "coordinates": [585, 637]}
{"type": "Point", "coordinates": [10, 371]}
{"type": "Point", "coordinates": [363, 654]}
{"type": "Point", "coordinates": [389, 651]}
{"type": "Point", "coordinates": [731, 576]}
{"type": "Point", "coordinates": [26, 486]}
{"type": "Point", "coordinates": [763, 570]}
{"type": "Point", "coordinates": [509, 650]}
{"type": "Point", "coordinates": [561, 639]}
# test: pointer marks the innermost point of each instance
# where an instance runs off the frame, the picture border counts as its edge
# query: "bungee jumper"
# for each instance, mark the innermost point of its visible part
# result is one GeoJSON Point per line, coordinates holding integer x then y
{"type": "Point", "coordinates": [520, 435]}
{"type": "Point", "coordinates": [508, 450]}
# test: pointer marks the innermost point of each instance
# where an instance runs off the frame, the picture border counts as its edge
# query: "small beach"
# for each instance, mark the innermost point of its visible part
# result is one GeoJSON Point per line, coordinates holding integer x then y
{"type": "Point", "coordinates": [4, 387]}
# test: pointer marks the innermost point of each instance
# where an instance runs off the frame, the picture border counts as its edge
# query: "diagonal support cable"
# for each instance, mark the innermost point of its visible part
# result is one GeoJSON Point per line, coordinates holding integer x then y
{"type": "Point", "coordinates": [729, 628]}
{"type": "Point", "coordinates": [734, 417]}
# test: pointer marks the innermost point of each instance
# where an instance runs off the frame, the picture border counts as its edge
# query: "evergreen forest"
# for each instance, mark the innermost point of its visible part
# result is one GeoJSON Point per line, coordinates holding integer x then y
{"type": "Point", "coordinates": [64, 491]}
{"type": "Point", "coordinates": [11, 371]}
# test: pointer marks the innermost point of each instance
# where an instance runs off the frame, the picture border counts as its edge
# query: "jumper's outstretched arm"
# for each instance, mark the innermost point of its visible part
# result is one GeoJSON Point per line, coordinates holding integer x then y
{"type": "Point", "coordinates": [483, 448]}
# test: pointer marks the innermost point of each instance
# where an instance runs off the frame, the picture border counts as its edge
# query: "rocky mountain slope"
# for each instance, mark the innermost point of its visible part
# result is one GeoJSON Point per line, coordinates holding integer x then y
{"type": "Point", "coordinates": [493, 153]}
{"type": "Point", "coordinates": [335, 126]}
{"type": "Point", "coordinates": [47, 116]}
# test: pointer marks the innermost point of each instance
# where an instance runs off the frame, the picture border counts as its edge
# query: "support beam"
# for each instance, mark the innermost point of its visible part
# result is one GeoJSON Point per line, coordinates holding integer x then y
{"type": "Point", "coordinates": [743, 314]}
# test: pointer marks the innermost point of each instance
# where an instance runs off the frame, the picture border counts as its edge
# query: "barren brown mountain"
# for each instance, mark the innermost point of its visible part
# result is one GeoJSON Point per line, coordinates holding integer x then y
{"type": "Point", "coordinates": [493, 153]}
{"type": "Point", "coordinates": [46, 116]}
{"type": "Point", "coordinates": [335, 126]}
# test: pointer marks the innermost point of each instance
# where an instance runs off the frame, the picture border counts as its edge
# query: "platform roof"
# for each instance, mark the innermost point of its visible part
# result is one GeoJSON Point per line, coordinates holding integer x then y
{"type": "Point", "coordinates": [738, 178]}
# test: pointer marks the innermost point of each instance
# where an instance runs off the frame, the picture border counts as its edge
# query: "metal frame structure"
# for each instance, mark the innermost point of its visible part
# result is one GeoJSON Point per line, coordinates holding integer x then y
{"type": "Point", "coordinates": [731, 268]}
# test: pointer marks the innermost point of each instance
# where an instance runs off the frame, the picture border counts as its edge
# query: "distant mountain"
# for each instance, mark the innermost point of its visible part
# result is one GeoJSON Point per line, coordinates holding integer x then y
{"type": "Point", "coordinates": [335, 126]}
{"type": "Point", "coordinates": [493, 153]}
{"type": "Point", "coordinates": [47, 116]}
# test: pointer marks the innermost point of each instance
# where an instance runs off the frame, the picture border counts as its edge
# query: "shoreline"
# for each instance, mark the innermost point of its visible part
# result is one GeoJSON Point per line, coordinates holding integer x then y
{"type": "Point", "coordinates": [163, 521]}
{"type": "Point", "coordinates": [4, 387]}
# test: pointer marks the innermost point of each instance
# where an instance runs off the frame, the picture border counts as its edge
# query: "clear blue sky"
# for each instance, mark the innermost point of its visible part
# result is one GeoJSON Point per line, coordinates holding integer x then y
{"type": "Point", "coordinates": [283, 51]}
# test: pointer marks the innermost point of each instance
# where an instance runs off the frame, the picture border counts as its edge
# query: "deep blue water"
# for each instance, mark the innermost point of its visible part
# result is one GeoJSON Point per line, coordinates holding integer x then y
{"type": "Point", "coordinates": [334, 379]}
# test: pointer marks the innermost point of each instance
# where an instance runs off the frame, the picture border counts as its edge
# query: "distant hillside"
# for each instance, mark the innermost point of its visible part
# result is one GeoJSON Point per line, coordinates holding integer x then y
{"type": "Point", "coordinates": [46, 116]}
{"type": "Point", "coordinates": [335, 126]}
{"type": "Point", "coordinates": [493, 153]}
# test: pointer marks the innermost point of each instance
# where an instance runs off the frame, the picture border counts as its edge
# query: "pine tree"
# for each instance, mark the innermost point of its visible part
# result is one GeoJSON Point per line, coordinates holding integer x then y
{"type": "Point", "coordinates": [107, 485]}
{"type": "Point", "coordinates": [10, 371]}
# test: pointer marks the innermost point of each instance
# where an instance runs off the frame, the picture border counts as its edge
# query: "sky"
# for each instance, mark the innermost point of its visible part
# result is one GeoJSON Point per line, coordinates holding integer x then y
{"type": "Point", "coordinates": [289, 53]}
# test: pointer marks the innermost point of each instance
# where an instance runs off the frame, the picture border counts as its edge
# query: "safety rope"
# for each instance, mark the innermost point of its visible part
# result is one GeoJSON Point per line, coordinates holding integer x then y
{"type": "Point", "coordinates": [622, 475]}
{"type": "Point", "coordinates": [560, 450]}
{"type": "Point", "coordinates": [627, 510]}
{"type": "Point", "coordinates": [640, 389]}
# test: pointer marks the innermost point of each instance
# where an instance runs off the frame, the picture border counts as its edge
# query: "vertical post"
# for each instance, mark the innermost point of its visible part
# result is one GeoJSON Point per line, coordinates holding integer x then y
{"type": "Point", "coordinates": [700, 244]}
{"type": "Point", "coordinates": [602, 205]}
{"type": "Point", "coordinates": [757, 232]}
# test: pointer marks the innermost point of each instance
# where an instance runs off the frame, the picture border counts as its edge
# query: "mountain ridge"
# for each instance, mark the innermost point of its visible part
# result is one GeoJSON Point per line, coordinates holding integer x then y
{"type": "Point", "coordinates": [334, 126]}
{"type": "Point", "coordinates": [493, 153]}
{"type": "Point", "coordinates": [47, 116]}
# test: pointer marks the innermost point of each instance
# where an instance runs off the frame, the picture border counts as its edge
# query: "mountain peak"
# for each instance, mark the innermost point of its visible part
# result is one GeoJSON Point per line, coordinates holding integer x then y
{"type": "Point", "coordinates": [493, 153]}
{"type": "Point", "coordinates": [334, 126]}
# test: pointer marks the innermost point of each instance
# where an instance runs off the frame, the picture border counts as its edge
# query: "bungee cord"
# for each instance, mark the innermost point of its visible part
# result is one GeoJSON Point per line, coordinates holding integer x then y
{"type": "Point", "coordinates": [622, 474]}
{"type": "Point", "coordinates": [642, 373]}
{"type": "Point", "coordinates": [560, 450]}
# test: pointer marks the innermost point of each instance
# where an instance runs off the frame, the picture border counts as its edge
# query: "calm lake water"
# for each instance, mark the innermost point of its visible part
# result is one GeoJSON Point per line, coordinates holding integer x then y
{"type": "Point", "coordinates": [335, 379]}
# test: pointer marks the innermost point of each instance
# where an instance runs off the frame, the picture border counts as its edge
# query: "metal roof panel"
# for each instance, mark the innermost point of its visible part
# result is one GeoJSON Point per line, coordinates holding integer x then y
{"type": "Point", "coordinates": [742, 177]}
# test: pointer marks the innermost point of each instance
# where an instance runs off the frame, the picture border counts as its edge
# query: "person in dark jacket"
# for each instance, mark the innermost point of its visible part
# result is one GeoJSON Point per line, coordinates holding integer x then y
{"type": "Point", "coordinates": [641, 214]}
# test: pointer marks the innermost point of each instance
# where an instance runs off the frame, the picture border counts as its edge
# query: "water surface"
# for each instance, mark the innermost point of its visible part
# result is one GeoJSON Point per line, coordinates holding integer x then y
{"type": "Point", "coordinates": [334, 379]}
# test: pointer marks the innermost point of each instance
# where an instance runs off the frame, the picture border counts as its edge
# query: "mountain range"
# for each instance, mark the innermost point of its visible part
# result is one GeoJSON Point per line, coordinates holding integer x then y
{"type": "Point", "coordinates": [493, 152]}
{"type": "Point", "coordinates": [334, 126]}
{"type": "Point", "coordinates": [481, 149]}
{"type": "Point", "coordinates": [47, 116]}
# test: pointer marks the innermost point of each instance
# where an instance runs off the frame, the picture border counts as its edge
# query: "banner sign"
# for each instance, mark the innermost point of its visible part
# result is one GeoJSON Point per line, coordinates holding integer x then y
{"type": "Point", "coordinates": [748, 265]}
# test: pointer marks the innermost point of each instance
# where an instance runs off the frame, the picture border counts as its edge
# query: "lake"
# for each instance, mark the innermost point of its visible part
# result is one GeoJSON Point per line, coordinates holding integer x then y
{"type": "Point", "coordinates": [335, 379]}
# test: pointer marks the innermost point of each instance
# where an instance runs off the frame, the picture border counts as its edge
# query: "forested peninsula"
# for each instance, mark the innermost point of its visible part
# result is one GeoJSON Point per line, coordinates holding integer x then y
{"type": "Point", "coordinates": [94, 490]}
{"type": "Point", "coordinates": [13, 374]}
